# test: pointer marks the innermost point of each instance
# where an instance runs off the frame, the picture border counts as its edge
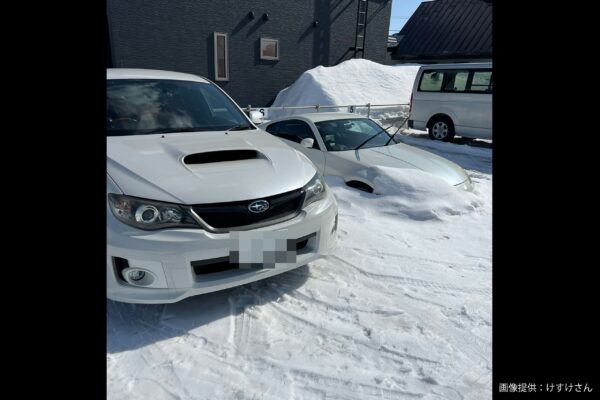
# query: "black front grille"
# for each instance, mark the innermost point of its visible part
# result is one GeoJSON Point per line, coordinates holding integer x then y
{"type": "Point", "coordinates": [204, 267]}
{"type": "Point", "coordinates": [236, 214]}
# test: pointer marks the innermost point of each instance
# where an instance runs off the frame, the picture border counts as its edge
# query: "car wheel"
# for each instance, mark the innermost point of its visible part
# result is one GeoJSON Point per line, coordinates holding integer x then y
{"type": "Point", "coordinates": [441, 128]}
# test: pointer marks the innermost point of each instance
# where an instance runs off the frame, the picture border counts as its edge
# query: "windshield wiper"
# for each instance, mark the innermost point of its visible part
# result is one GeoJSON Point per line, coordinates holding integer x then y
{"type": "Point", "coordinates": [240, 127]}
{"type": "Point", "coordinates": [392, 137]}
{"type": "Point", "coordinates": [365, 142]}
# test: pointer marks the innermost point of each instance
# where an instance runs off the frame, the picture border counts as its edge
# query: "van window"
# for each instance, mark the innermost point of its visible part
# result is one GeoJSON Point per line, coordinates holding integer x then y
{"type": "Point", "coordinates": [465, 81]}
{"type": "Point", "coordinates": [431, 81]}
{"type": "Point", "coordinates": [482, 81]}
{"type": "Point", "coordinates": [456, 81]}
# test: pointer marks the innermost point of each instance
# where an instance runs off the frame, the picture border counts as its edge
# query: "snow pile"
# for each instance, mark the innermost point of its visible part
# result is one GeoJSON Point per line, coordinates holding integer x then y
{"type": "Point", "coordinates": [414, 194]}
{"type": "Point", "coordinates": [352, 82]}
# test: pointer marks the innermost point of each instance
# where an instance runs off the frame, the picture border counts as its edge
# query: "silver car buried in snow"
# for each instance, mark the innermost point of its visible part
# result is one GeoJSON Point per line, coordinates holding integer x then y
{"type": "Point", "coordinates": [347, 145]}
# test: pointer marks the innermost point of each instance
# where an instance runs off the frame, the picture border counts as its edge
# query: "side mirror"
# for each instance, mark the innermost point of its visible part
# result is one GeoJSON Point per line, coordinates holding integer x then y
{"type": "Point", "coordinates": [308, 143]}
{"type": "Point", "coordinates": [256, 117]}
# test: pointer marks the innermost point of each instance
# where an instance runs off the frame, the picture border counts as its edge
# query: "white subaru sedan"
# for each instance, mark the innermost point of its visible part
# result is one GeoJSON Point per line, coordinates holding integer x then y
{"type": "Point", "coordinates": [198, 198]}
{"type": "Point", "coordinates": [350, 145]}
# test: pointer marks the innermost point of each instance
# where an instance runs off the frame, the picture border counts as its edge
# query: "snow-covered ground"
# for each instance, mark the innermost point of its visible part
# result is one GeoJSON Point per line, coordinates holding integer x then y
{"type": "Point", "coordinates": [401, 309]}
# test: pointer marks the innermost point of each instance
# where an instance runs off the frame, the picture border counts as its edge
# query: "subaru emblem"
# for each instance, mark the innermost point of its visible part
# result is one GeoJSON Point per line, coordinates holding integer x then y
{"type": "Point", "coordinates": [258, 206]}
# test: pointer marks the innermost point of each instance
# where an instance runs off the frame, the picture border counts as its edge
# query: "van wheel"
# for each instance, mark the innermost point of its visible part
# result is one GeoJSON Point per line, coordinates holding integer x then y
{"type": "Point", "coordinates": [441, 128]}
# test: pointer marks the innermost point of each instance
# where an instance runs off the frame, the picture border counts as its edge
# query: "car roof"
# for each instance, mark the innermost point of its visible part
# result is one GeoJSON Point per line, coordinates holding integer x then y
{"type": "Point", "coordinates": [457, 66]}
{"type": "Point", "coordinates": [138, 73]}
{"type": "Point", "coordinates": [321, 116]}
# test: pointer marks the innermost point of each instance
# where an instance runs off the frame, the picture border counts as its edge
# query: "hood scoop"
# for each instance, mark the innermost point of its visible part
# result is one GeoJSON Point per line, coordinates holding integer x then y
{"type": "Point", "coordinates": [221, 156]}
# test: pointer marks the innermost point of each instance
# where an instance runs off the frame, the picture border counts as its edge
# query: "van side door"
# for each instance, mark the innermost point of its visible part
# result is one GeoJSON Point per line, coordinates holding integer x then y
{"type": "Point", "coordinates": [480, 88]}
{"type": "Point", "coordinates": [467, 94]}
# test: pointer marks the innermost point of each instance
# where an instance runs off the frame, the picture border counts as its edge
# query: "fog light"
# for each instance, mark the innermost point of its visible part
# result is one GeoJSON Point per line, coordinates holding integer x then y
{"type": "Point", "coordinates": [136, 275]}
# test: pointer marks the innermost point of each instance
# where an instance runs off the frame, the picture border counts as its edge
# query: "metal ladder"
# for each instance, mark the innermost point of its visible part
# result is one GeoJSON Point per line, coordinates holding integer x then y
{"type": "Point", "coordinates": [361, 28]}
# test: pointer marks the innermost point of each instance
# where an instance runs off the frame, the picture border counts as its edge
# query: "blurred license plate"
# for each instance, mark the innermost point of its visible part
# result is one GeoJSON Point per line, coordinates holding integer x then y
{"type": "Point", "coordinates": [252, 249]}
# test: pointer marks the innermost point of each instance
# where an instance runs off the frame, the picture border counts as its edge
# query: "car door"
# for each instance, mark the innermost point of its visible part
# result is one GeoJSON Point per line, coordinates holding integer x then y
{"type": "Point", "coordinates": [293, 131]}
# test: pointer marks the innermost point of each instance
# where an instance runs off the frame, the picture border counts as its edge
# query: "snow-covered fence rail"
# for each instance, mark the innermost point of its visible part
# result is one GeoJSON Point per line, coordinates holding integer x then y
{"type": "Point", "coordinates": [392, 114]}
{"type": "Point", "coordinates": [368, 109]}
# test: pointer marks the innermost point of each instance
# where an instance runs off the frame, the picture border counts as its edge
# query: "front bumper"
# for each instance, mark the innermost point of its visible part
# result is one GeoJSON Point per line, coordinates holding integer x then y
{"type": "Point", "coordinates": [170, 255]}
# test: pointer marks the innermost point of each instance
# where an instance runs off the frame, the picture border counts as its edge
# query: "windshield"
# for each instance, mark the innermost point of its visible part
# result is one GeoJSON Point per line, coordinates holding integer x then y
{"type": "Point", "coordinates": [144, 106]}
{"type": "Point", "coordinates": [350, 134]}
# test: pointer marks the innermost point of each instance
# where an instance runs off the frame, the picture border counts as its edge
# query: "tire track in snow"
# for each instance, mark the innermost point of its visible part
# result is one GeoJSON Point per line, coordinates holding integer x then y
{"type": "Point", "coordinates": [214, 351]}
{"type": "Point", "coordinates": [218, 352]}
{"type": "Point", "coordinates": [239, 324]}
{"type": "Point", "coordinates": [365, 346]}
{"type": "Point", "coordinates": [320, 382]}
{"type": "Point", "coordinates": [406, 355]}
{"type": "Point", "coordinates": [171, 396]}
{"type": "Point", "coordinates": [344, 309]}
{"type": "Point", "coordinates": [156, 358]}
{"type": "Point", "coordinates": [459, 340]}
{"type": "Point", "coordinates": [415, 282]}
{"type": "Point", "coordinates": [478, 268]}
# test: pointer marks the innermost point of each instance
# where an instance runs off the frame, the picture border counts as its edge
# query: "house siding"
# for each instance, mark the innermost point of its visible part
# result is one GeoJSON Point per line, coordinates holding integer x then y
{"type": "Point", "coordinates": [178, 36]}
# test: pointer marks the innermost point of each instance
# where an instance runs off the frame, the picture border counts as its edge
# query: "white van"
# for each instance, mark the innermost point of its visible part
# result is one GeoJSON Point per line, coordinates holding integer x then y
{"type": "Point", "coordinates": [453, 99]}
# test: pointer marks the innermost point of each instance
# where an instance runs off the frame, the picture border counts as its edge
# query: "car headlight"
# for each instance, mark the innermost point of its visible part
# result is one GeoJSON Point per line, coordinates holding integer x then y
{"type": "Point", "coordinates": [148, 214]}
{"type": "Point", "coordinates": [315, 190]}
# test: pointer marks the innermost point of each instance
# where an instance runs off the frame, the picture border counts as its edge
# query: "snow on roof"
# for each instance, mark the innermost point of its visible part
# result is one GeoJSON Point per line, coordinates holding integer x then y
{"type": "Point", "coordinates": [135, 73]}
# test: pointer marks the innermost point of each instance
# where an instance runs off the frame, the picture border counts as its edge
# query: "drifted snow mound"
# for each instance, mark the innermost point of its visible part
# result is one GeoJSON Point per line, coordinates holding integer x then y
{"type": "Point", "coordinates": [352, 82]}
{"type": "Point", "coordinates": [408, 193]}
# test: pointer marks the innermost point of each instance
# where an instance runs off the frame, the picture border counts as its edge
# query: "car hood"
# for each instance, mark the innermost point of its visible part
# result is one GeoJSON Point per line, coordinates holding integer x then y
{"type": "Point", "coordinates": [404, 156]}
{"type": "Point", "coordinates": [156, 167]}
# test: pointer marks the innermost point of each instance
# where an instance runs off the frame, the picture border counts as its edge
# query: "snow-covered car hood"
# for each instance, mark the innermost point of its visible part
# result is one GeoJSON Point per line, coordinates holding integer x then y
{"type": "Point", "coordinates": [156, 167]}
{"type": "Point", "coordinates": [404, 156]}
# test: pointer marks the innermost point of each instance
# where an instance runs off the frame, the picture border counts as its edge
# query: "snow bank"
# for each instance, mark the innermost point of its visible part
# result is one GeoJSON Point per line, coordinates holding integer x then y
{"type": "Point", "coordinates": [352, 82]}
{"type": "Point", "coordinates": [412, 194]}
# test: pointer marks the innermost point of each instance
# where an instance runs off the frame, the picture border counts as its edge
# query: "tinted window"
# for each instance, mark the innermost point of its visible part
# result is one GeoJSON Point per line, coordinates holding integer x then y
{"type": "Point", "coordinates": [348, 134]}
{"type": "Point", "coordinates": [273, 128]}
{"type": "Point", "coordinates": [456, 81]}
{"type": "Point", "coordinates": [296, 130]}
{"type": "Point", "coordinates": [431, 81]}
{"type": "Point", "coordinates": [141, 106]}
{"type": "Point", "coordinates": [482, 81]}
{"type": "Point", "coordinates": [447, 80]}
